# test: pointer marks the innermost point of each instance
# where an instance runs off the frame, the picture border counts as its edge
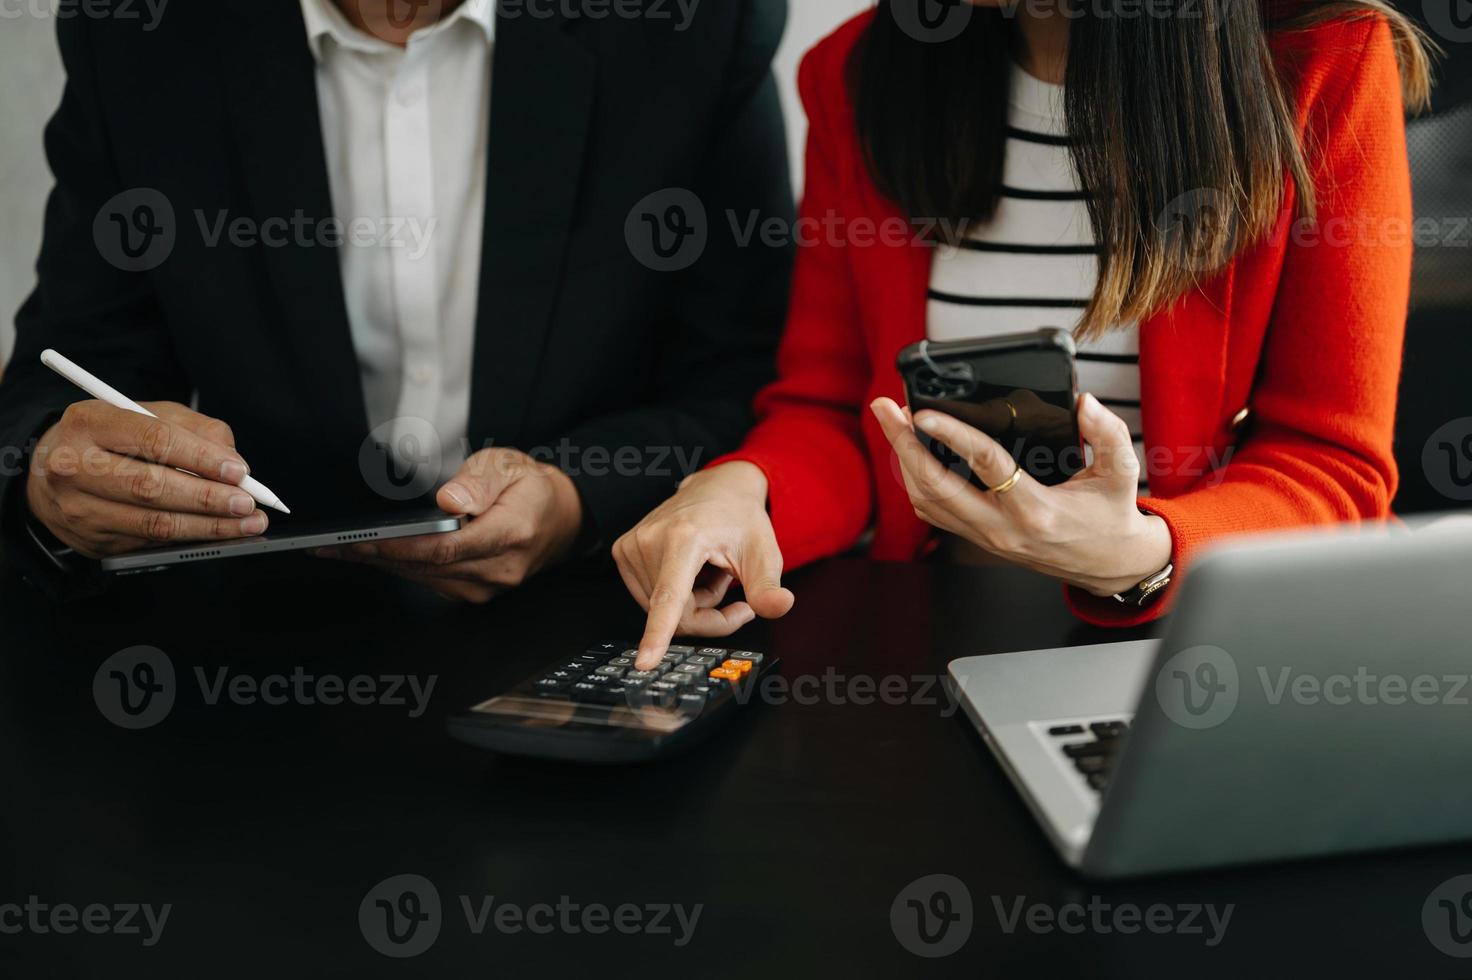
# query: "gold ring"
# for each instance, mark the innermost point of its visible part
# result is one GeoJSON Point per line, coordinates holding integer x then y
{"type": "Point", "coordinates": [1008, 483]}
{"type": "Point", "coordinates": [1012, 409]}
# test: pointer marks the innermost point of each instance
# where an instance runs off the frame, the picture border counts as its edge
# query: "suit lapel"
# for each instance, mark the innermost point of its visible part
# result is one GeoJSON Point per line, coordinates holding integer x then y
{"type": "Point", "coordinates": [541, 100]}
{"type": "Point", "coordinates": [271, 80]}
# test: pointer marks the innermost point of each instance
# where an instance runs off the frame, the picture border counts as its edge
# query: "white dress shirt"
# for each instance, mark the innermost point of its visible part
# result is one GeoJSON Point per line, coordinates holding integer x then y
{"type": "Point", "coordinates": [405, 133]}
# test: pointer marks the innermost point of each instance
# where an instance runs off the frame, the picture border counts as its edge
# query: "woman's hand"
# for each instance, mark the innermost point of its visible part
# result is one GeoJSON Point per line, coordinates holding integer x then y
{"type": "Point", "coordinates": [1087, 532]}
{"type": "Point", "coordinates": [680, 561]}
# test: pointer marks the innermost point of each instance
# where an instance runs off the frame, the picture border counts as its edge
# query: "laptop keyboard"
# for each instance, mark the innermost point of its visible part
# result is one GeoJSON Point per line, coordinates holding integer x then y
{"type": "Point", "coordinates": [1091, 747]}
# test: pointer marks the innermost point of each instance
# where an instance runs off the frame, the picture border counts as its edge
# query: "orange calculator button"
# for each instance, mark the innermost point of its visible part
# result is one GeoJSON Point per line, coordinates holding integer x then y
{"type": "Point", "coordinates": [740, 666]}
{"type": "Point", "coordinates": [722, 673]}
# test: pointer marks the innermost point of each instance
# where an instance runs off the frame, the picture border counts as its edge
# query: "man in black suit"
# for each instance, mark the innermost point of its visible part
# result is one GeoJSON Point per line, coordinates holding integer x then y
{"type": "Point", "coordinates": [398, 246]}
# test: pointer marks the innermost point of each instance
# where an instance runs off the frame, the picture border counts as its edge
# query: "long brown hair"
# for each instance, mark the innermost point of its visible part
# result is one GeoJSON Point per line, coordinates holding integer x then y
{"type": "Point", "coordinates": [1180, 130]}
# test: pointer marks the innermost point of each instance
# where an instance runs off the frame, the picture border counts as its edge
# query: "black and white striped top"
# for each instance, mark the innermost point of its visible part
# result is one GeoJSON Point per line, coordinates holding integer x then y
{"type": "Point", "coordinates": [1035, 264]}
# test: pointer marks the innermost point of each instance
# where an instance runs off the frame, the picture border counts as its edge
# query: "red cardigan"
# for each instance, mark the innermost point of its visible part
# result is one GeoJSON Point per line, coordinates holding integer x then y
{"type": "Point", "coordinates": [1303, 334]}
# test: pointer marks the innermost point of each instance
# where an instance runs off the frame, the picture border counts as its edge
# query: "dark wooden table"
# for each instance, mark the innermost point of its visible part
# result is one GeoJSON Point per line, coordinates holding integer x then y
{"type": "Point", "coordinates": [264, 827]}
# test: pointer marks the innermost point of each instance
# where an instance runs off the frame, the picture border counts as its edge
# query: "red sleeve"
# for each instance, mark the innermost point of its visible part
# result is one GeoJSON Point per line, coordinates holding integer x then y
{"type": "Point", "coordinates": [1324, 403]}
{"type": "Point", "coordinates": [807, 438]}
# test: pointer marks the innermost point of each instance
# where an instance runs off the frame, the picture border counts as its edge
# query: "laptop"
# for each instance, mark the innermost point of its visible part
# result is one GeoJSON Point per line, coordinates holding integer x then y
{"type": "Point", "coordinates": [1311, 695]}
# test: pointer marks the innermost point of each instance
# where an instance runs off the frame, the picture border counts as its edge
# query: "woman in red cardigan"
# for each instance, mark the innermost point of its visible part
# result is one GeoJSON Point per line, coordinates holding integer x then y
{"type": "Point", "coordinates": [956, 187]}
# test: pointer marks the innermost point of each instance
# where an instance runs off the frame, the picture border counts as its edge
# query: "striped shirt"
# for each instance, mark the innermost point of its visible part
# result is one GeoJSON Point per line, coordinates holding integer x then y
{"type": "Point", "coordinates": [1035, 263]}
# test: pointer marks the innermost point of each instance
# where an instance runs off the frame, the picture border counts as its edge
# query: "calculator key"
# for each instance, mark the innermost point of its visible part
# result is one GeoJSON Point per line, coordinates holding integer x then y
{"type": "Point", "coordinates": [681, 679]}
{"type": "Point", "coordinates": [551, 684]}
{"type": "Point", "coordinates": [716, 652]}
{"type": "Point", "coordinates": [662, 685]}
{"type": "Point", "coordinates": [606, 647]}
{"type": "Point", "coordinates": [634, 683]}
{"type": "Point", "coordinates": [578, 666]}
{"type": "Point", "coordinates": [610, 671]}
{"type": "Point", "coordinates": [677, 648]}
{"type": "Point", "coordinates": [688, 669]}
{"type": "Point", "coordinates": [673, 658]}
{"type": "Point", "coordinates": [565, 675]}
{"type": "Point", "coordinates": [640, 675]}
{"type": "Point", "coordinates": [740, 666]}
{"type": "Point", "coordinates": [701, 660]}
{"type": "Point", "coordinates": [691, 702]}
{"type": "Point", "coordinates": [726, 674]}
{"type": "Point", "coordinates": [748, 655]}
{"type": "Point", "coordinates": [582, 687]}
{"type": "Point", "coordinates": [621, 662]}
{"type": "Point", "coordinates": [599, 679]}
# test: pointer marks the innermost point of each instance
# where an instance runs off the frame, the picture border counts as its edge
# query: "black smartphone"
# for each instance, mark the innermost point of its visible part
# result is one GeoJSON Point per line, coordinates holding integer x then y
{"type": "Point", "coordinates": [1021, 389]}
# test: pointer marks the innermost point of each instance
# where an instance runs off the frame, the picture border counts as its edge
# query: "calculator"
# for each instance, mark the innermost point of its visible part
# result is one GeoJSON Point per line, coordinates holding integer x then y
{"type": "Point", "coordinates": [595, 706]}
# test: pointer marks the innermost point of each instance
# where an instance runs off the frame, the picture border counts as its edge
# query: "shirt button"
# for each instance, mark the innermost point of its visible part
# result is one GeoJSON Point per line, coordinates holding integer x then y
{"type": "Point", "coordinates": [421, 375]}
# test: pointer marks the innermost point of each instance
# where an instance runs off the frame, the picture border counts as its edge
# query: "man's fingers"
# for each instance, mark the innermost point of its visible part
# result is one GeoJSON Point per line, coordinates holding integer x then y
{"type": "Point", "coordinates": [133, 481]}
{"type": "Point", "coordinates": [204, 426]}
{"type": "Point", "coordinates": [161, 441]}
{"type": "Point", "coordinates": [163, 526]}
{"type": "Point", "coordinates": [670, 601]}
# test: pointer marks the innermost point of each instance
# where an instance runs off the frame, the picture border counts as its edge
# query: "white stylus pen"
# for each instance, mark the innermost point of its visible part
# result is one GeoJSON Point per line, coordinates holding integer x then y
{"type": "Point", "coordinates": [103, 391]}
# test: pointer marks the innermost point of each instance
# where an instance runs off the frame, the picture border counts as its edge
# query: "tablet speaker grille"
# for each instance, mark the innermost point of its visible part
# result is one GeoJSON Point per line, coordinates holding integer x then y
{"type": "Point", "coordinates": [359, 536]}
{"type": "Point", "coordinates": [199, 554]}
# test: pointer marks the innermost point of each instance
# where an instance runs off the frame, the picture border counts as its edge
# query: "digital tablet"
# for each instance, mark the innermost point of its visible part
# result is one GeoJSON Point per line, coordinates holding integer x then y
{"type": "Point", "coordinates": [290, 534]}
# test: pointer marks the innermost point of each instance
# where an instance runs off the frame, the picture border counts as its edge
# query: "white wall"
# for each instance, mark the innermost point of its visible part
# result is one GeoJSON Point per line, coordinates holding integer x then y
{"type": "Point", "coordinates": [30, 86]}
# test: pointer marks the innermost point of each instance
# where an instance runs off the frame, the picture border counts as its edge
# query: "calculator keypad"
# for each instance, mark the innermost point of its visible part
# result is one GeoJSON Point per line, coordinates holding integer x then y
{"type": "Point", "coordinates": [686, 678]}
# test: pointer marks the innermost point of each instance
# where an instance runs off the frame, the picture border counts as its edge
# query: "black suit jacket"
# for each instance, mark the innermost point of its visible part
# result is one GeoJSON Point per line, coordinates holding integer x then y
{"type": "Point", "coordinates": [579, 345]}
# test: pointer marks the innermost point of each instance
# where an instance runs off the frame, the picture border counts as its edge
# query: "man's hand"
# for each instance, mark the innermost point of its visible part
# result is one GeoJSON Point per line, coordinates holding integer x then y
{"type": "Point", "coordinates": [106, 481]}
{"type": "Point", "coordinates": [525, 516]}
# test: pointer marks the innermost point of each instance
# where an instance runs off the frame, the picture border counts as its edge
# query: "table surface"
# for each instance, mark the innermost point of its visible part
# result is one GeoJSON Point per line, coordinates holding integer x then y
{"type": "Point", "coordinates": [794, 829]}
